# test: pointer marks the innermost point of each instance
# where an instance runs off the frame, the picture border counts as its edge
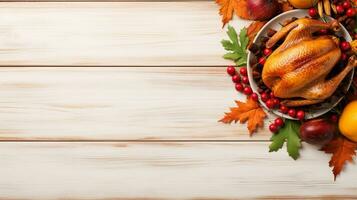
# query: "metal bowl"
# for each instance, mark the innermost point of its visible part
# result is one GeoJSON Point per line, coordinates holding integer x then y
{"type": "Point", "coordinates": [313, 111]}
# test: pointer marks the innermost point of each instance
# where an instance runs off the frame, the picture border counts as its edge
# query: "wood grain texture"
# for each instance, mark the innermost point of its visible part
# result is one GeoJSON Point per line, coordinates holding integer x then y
{"type": "Point", "coordinates": [118, 103]}
{"type": "Point", "coordinates": [112, 34]}
{"type": "Point", "coordinates": [166, 171]}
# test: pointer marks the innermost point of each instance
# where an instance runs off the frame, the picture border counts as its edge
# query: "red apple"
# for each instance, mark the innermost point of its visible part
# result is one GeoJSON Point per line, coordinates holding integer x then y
{"type": "Point", "coordinates": [318, 131]}
{"type": "Point", "coordinates": [263, 9]}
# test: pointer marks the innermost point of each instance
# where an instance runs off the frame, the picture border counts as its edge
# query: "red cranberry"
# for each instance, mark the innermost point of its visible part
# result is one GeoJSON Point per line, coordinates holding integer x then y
{"type": "Point", "coordinates": [264, 96]}
{"type": "Point", "coordinates": [269, 103]}
{"type": "Point", "coordinates": [245, 79]}
{"type": "Point", "coordinates": [231, 70]}
{"type": "Point", "coordinates": [292, 113]}
{"type": "Point", "coordinates": [284, 109]}
{"type": "Point", "coordinates": [243, 71]}
{"type": "Point", "coordinates": [313, 12]}
{"type": "Point", "coordinates": [300, 115]}
{"type": "Point", "coordinates": [273, 128]}
{"type": "Point", "coordinates": [345, 46]}
{"type": "Point", "coordinates": [323, 31]}
{"type": "Point", "coordinates": [271, 94]}
{"type": "Point", "coordinates": [254, 96]}
{"type": "Point", "coordinates": [276, 102]}
{"type": "Point", "coordinates": [351, 12]}
{"type": "Point", "coordinates": [343, 56]}
{"type": "Point", "coordinates": [334, 118]}
{"type": "Point", "coordinates": [247, 90]}
{"type": "Point", "coordinates": [261, 61]}
{"type": "Point", "coordinates": [340, 9]}
{"type": "Point", "coordinates": [239, 87]}
{"type": "Point", "coordinates": [236, 78]}
{"type": "Point", "coordinates": [346, 4]}
{"type": "Point", "coordinates": [267, 51]}
{"type": "Point", "coordinates": [279, 122]}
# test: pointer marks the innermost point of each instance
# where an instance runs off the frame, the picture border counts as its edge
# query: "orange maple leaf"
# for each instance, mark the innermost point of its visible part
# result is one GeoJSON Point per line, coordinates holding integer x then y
{"type": "Point", "coordinates": [228, 7]}
{"type": "Point", "coordinates": [249, 111]}
{"type": "Point", "coordinates": [253, 29]}
{"type": "Point", "coordinates": [342, 151]}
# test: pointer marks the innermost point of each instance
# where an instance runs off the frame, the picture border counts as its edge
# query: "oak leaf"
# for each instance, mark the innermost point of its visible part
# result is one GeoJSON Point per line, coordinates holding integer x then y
{"type": "Point", "coordinates": [249, 111]}
{"type": "Point", "coordinates": [253, 29]}
{"type": "Point", "coordinates": [229, 7]}
{"type": "Point", "coordinates": [342, 150]}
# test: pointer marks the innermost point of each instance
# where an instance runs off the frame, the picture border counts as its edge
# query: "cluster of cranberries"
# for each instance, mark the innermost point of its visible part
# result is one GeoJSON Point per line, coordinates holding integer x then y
{"type": "Point", "coordinates": [341, 8]}
{"type": "Point", "coordinates": [241, 81]}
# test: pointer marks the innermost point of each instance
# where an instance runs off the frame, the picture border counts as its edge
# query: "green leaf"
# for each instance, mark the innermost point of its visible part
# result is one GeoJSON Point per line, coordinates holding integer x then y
{"type": "Point", "coordinates": [236, 47]}
{"type": "Point", "coordinates": [289, 134]}
{"type": "Point", "coordinates": [228, 45]}
{"type": "Point", "coordinates": [231, 56]}
{"type": "Point", "coordinates": [243, 38]}
{"type": "Point", "coordinates": [232, 34]}
{"type": "Point", "coordinates": [241, 61]}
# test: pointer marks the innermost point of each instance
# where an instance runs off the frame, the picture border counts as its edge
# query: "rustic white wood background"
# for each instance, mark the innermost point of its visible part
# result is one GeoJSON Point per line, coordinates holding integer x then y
{"type": "Point", "coordinates": [120, 100]}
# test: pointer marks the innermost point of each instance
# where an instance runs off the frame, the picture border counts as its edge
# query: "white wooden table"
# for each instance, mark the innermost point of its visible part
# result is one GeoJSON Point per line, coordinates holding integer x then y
{"type": "Point", "coordinates": [120, 100]}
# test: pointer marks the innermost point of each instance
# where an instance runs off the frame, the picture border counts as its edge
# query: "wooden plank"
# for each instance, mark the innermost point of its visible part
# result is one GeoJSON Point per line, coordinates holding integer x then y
{"type": "Point", "coordinates": [111, 103]}
{"type": "Point", "coordinates": [166, 171]}
{"type": "Point", "coordinates": [112, 34]}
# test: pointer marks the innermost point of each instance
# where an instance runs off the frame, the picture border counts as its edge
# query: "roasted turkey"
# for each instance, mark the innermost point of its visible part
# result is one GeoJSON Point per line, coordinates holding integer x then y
{"type": "Point", "coordinates": [300, 65]}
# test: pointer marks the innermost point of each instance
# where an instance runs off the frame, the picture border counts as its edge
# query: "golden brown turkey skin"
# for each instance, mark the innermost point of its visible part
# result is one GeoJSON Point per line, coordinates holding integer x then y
{"type": "Point", "coordinates": [298, 67]}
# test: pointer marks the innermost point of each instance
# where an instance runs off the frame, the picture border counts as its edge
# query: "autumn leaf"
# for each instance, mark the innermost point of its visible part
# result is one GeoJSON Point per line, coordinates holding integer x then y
{"type": "Point", "coordinates": [236, 46]}
{"type": "Point", "coordinates": [253, 29]}
{"type": "Point", "coordinates": [289, 133]}
{"type": "Point", "coordinates": [342, 150]}
{"type": "Point", "coordinates": [249, 111]}
{"type": "Point", "coordinates": [229, 7]}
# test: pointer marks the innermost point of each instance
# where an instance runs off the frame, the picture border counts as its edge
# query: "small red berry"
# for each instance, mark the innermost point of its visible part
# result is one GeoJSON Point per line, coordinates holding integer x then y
{"type": "Point", "coordinates": [345, 46]}
{"type": "Point", "coordinates": [269, 103]}
{"type": "Point", "coordinates": [261, 61]}
{"type": "Point", "coordinates": [276, 102]}
{"type": "Point", "coordinates": [271, 94]}
{"type": "Point", "coordinates": [231, 70]}
{"type": "Point", "coordinates": [267, 51]}
{"type": "Point", "coordinates": [284, 109]}
{"type": "Point", "coordinates": [236, 78]}
{"type": "Point", "coordinates": [312, 12]}
{"type": "Point", "coordinates": [355, 36]}
{"type": "Point", "coordinates": [334, 118]}
{"type": "Point", "coordinates": [279, 122]}
{"type": "Point", "coordinates": [254, 96]}
{"type": "Point", "coordinates": [300, 114]}
{"type": "Point", "coordinates": [247, 90]}
{"type": "Point", "coordinates": [292, 112]}
{"type": "Point", "coordinates": [243, 71]}
{"type": "Point", "coordinates": [346, 4]}
{"type": "Point", "coordinates": [264, 96]}
{"type": "Point", "coordinates": [351, 12]}
{"type": "Point", "coordinates": [323, 31]}
{"type": "Point", "coordinates": [343, 56]}
{"type": "Point", "coordinates": [273, 128]}
{"type": "Point", "coordinates": [245, 79]}
{"type": "Point", "coordinates": [239, 87]}
{"type": "Point", "coordinates": [340, 9]}
{"type": "Point", "coordinates": [260, 90]}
